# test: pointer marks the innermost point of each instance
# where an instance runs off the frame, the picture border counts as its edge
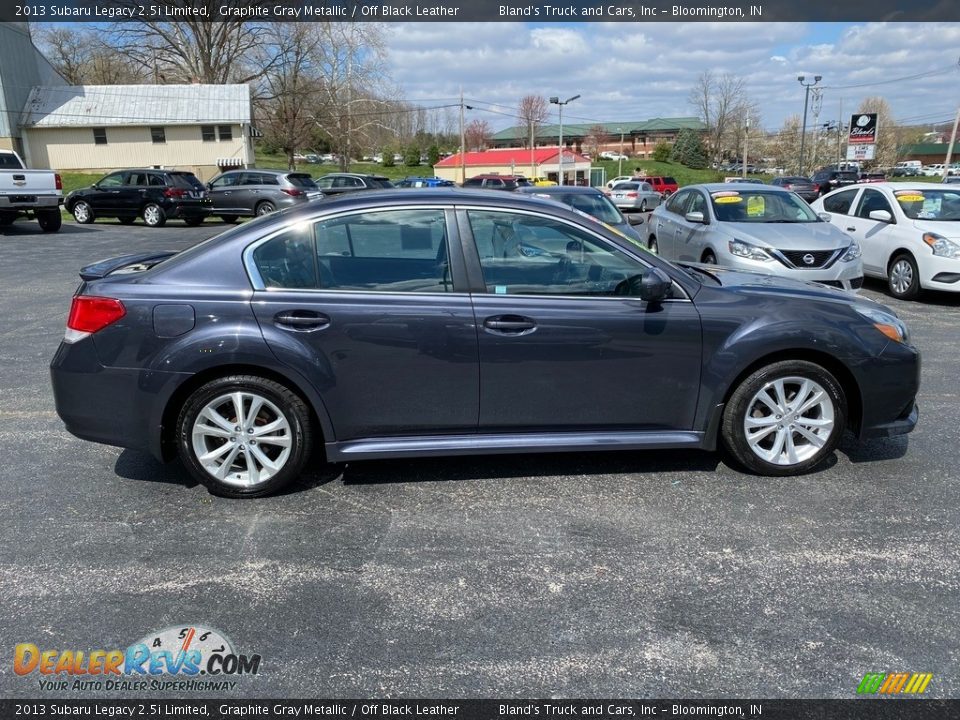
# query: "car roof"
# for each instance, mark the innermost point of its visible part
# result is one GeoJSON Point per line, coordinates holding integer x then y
{"type": "Point", "coordinates": [903, 185]}
{"type": "Point", "coordinates": [558, 189]}
{"type": "Point", "coordinates": [736, 187]}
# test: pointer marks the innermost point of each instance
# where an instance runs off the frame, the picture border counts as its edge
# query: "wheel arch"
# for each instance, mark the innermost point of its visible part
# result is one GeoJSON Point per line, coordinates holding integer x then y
{"type": "Point", "coordinates": [848, 383]}
{"type": "Point", "coordinates": [894, 254]}
{"type": "Point", "coordinates": [168, 444]}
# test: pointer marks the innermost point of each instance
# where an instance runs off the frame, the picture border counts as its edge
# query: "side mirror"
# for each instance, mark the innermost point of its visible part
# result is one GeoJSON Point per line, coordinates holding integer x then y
{"type": "Point", "coordinates": [634, 218]}
{"type": "Point", "coordinates": [652, 285]}
{"type": "Point", "coordinates": [826, 217]}
{"type": "Point", "coordinates": [695, 217]}
{"type": "Point", "coordinates": [881, 215]}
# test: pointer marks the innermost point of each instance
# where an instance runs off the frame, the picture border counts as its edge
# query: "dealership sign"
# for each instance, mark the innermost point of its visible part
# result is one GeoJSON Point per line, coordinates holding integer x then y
{"type": "Point", "coordinates": [863, 129]}
{"type": "Point", "coordinates": [861, 152]}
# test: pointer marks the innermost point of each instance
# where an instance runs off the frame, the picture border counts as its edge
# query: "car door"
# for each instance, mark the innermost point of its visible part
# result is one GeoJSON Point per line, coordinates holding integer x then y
{"type": "Point", "coordinates": [373, 308]}
{"type": "Point", "coordinates": [667, 224]}
{"type": "Point", "coordinates": [559, 350]}
{"type": "Point", "coordinates": [104, 198]}
{"type": "Point", "coordinates": [691, 238]}
{"type": "Point", "coordinates": [224, 191]}
{"type": "Point", "coordinates": [133, 194]}
{"type": "Point", "coordinates": [874, 236]}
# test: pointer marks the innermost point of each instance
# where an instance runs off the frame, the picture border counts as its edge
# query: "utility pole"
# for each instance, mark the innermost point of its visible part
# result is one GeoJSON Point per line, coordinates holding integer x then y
{"type": "Point", "coordinates": [463, 143]}
{"type": "Point", "coordinates": [953, 139]}
{"type": "Point", "coordinates": [533, 172]}
{"type": "Point", "coordinates": [620, 159]}
{"type": "Point", "coordinates": [746, 136]}
{"type": "Point", "coordinates": [839, 132]}
{"type": "Point", "coordinates": [556, 101]}
{"type": "Point", "coordinates": [806, 102]}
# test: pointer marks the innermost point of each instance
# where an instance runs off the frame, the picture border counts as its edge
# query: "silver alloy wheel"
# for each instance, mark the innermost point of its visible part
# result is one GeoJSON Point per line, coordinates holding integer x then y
{"type": "Point", "coordinates": [264, 209]}
{"type": "Point", "coordinates": [789, 420]}
{"type": "Point", "coordinates": [151, 215]}
{"type": "Point", "coordinates": [241, 439]}
{"type": "Point", "coordinates": [81, 211]}
{"type": "Point", "coordinates": [901, 276]}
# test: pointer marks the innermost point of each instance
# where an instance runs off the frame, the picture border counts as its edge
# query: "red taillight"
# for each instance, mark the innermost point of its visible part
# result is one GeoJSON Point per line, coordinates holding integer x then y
{"type": "Point", "coordinates": [631, 194]}
{"type": "Point", "coordinates": [89, 313]}
{"type": "Point", "coordinates": [59, 181]}
{"type": "Point", "coordinates": [174, 193]}
{"type": "Point", "coordinates": [293, 192]}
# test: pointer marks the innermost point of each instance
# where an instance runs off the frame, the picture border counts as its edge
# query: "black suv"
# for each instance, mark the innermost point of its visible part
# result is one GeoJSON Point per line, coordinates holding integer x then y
{"type": "Point", "coordinates": [154, 195]}
{"type": "Point", "coordinates": [336, 183]}
{"type": "Point", "coordinates": [829, 179]}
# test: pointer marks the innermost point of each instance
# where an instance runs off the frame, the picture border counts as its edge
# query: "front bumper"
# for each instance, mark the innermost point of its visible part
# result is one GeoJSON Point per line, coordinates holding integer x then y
{"type": "Point", "coordinates": [889, 384]}
{"type": "Point", "coordinates": [844, 275]}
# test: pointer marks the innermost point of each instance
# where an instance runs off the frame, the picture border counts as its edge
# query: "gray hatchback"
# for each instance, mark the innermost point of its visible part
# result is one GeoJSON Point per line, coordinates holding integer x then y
{"type": "Point", "coordinates": [259, 192]}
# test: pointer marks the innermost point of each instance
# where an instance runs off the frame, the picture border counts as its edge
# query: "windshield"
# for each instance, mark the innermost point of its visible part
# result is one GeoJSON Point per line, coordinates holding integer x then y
{"type": "Point", "coordinates": [761, 206]}
{"type": "Point", "coordinates": [929, 204]}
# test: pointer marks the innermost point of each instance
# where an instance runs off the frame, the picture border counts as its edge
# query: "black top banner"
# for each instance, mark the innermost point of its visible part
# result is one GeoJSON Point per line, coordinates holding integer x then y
{"type": "Point", "coordinates": [559, 11]}
{"type": "Point", "coordinates": [886, 709]}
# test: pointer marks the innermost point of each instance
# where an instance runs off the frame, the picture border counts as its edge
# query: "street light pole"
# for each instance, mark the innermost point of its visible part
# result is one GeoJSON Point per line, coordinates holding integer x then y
{"type": "Point", "coordinates": [806, 101]}
{"type": "Point", "coordinates": [556, 101]}
{"type": "Point", "coordinates": [746, 136]}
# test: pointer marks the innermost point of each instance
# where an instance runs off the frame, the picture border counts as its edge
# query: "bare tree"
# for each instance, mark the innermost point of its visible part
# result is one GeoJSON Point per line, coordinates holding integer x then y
{"type": "Point", "coordinates": [719, 101]}
{"type": "Point", "coordinates": [785, 147]}
{"type": "Point", "coordinates": [192, 49]}
{"type": "Point", "coordinates": [288, 89]}
{"type": "Point", "coordinates": [532, 111]}
{"type": "Point", "coordinates": [596, 137]}
{"type": "Point", "coordinates": [887, 132]}
{"type": "Point", "coordinates": [477, 134]}
{"type": "Point", "coordinates": [81, 57]}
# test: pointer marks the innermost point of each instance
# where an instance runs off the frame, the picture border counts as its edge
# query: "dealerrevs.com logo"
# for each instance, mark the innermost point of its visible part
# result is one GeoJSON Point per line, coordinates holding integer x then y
{"type": "Point", "coordinates": [187, 657]}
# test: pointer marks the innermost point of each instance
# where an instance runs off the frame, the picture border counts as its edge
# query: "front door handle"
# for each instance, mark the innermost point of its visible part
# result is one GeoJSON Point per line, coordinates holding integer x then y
{"type": "Point", "coordinates": [851, 229]}
{"type": "Point", "coordinates": [301, 320]}
{"type": "Point", "coordinates": [510, 324]}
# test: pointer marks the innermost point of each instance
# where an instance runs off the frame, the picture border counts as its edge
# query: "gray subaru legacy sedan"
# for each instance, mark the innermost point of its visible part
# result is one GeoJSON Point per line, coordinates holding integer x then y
{"type": "Point", "coordinates": [451, 322]}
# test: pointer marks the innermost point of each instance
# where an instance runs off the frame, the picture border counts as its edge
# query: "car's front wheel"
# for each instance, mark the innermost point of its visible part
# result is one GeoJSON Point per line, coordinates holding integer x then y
{"type": "Point", "coordinates": [82, 212]}
{"type": "Point", "coordinates": [903, 277]}
{"type": "Point", "coordinates": [244, 436]}
{"type": "Point", "coordinates": [652, 244]}
{"type": "Point", "coordinates": [785, 418]}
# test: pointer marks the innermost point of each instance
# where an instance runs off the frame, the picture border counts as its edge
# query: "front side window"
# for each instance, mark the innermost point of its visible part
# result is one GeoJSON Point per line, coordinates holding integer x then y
{"type": "Point", "coordinates": [872, 200]}
{"type": "Point", "coordinates": [112, 181]}
{"type": "Point", "coordinates": [385, 251]}
{"type": "Point", "coordinates": [225, 181]}
{"type": "Point", "coordinates": [678, 201]}
{"type": "Point", "coordinates": [537, 255]}
{"type": "Point", "coordinates": [840, 202]}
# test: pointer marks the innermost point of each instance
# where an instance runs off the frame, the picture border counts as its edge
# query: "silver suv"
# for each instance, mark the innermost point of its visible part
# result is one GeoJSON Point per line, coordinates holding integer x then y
{"type": "Point", "coordinates": [259, 192]}
{"type": "Point", "coordinates": [754, 227]}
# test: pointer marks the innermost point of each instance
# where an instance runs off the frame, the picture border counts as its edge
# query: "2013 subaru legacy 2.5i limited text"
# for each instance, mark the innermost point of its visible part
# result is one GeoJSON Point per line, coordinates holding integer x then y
{"type": "Point", "coordinates": [449, 321]}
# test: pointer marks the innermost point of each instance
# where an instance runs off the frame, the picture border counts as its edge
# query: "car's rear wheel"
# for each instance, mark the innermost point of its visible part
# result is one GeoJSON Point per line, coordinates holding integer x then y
{"type": "Point", "coordinates": [244, 436]}
{"type": "Point", "coordinates": [643, 206]}
{"type": "Point", "coordinates": [903, 278]}
{"type": "Point", "coordinates": [49, 220]}
{"type": "Point", "coordinates": [265, 208]}
{"type": "Point", "coordinates": [82, 212]}
{"type": "Point", "coordinates": [785, 418]}
{"type": "Point", "coordinates": [153, 215]}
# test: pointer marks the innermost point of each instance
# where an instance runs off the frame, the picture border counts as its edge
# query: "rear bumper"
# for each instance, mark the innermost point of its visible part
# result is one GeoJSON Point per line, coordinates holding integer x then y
{"type": "Point", "coordinates": [180, 210]}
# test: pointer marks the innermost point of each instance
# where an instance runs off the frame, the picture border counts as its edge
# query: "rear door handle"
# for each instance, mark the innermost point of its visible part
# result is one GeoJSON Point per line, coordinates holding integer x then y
{"type": "Point", "coordinates": [851, 229]}
{"type": "Point", "coordinates": [510, 324]}
{"type": "Point", "coordinates": [301, 320]}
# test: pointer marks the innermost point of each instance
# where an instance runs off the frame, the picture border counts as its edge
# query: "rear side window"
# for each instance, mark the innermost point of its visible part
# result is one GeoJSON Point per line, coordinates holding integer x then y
{"type": "Point", "coordinates": [385, 251]}
{"type": "Point", "coordinates": [266, 179]}
{"type": "Point", "coordinates": [10, 162]}
{"type": "Point", "coordinates": [840, 203]}
{"type": "Point", "coordinates": [473, 182]}
{"type": "Point", "coordinates": [669, 181]}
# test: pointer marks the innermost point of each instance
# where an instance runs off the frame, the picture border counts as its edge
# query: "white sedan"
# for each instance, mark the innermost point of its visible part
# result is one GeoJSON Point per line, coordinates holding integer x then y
{"type": "Point", "coordinates": [909, 232]}
{"type": "Point", "coordinates": [611, 155]}
{"type": "Point", "coordinates": [618, 179]}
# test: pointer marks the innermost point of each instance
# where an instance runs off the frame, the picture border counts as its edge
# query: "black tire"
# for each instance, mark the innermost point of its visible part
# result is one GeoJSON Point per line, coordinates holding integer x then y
{"type": "Point", "coordinates": [285, 403]}
{"type": "Point", "coordinates": [229, 219]}
{"type": "Point", "coordinates": [127, 219]}
{"type": "Point", "coordinates": [193, 221]}
{"type": "Point", "coordinates": [652, 245]}
{"type": "Point", "coordinates": [264, 208]}
{"type": "Point", "coordinates": [807, 454]}
{"type": "Point", "coordinates": [708, 258]}
{"type": "Point", "coordinates": [643, 206]}
{"type": "Point", "coordinates": [82, 212]}
{"type": "Point", "coordinates": [153, 215]}
{"type": "Point", "coordinates": [903, 277]}
{"type": "Point", "coordinates": [49, 220]}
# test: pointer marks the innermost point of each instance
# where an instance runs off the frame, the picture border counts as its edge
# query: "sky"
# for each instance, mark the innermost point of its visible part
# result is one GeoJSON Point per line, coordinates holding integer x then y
{"type": "Point", "coordinates": [631, 72]}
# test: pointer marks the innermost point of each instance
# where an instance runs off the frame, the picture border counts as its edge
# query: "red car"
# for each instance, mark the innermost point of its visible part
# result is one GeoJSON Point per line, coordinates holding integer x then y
{"type": "Point", "coordinates": [666, 186]}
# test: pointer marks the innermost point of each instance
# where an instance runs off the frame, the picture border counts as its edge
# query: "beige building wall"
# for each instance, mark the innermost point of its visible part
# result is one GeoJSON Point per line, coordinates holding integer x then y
{"type": "Point", "coordinates": [73, 149]}
{"type": "Point", "coordinates": [6, 143]}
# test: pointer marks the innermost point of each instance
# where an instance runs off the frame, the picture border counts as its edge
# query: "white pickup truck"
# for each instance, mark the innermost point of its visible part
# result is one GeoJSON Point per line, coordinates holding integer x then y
{"type": "Point", "coordinates": [29, 193]}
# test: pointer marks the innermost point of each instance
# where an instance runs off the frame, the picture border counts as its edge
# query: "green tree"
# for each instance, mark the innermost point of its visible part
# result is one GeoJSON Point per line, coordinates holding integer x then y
{"type": "Point", "coordinates": [688, 150]}
{"type": "Point", "coordinates": [411, 157]}
{"type": "Point", "coordinates": [661, 151]}
{"type": "Point", "coordinates": [433, 155]}
{"type": "Point", "coordinates": [388, 157]}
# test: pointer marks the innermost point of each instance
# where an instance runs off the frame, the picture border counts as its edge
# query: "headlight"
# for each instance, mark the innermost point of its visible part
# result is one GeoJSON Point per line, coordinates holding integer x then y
{"type": "Point", "coordinates": [852, 253]}
{"type": "Point", "coordinates": [746, 250]}
{"type": "Point", "coordinates": [941, 246]}
{"type": "Point", "coordinates": [887, 323]}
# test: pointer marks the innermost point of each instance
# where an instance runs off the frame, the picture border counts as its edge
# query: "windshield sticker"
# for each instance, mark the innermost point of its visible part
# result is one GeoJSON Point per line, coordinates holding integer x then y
{"type": "Point", "coordinates": [725, 199]}
{"type": "Point", "coordinates": [755, 206]}
{"type": "Point", "coordinates": [909, 196]}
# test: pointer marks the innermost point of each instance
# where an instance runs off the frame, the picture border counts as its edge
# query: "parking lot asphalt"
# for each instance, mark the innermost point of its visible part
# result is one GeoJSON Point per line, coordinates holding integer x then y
{"type": "Point", "coordinates": [630, 574]}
